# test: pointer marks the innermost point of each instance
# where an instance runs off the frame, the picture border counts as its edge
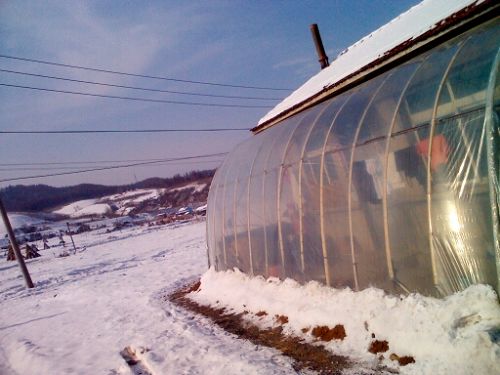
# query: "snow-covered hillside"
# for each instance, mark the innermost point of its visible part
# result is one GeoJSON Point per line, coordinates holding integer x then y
{"type": "Point", "coordinates": [122, 203]}
{"type": "Point", "coordinates": [19, 220]}
{"type": "Point", "coordinates": [87, 307]}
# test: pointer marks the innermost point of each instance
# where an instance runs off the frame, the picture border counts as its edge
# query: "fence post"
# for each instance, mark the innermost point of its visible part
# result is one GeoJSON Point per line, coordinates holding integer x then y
{"type": "Point", "coordinates": [12, 237]}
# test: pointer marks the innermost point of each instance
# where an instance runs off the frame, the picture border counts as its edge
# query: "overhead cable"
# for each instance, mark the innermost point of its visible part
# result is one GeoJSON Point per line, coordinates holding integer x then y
{"type": "Point", "coordinates": [107, 168]}
{"type": "Point", "coordinates": [95, 161]}
{"type": "Point", "coordinates": [88, 131]}
{"type": "Point", "coordinates": [83, 168]}
{"type": "Point", "coordinates": [138, 88]}
{"type": "Point", "coordinates": [139, 75]}
{"type": "Point", "coordinates": [136, 98]}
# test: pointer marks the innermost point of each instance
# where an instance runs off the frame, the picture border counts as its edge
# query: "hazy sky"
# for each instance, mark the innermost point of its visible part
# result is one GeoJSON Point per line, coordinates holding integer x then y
{"type": "Point", "coordinates": [251, 43]}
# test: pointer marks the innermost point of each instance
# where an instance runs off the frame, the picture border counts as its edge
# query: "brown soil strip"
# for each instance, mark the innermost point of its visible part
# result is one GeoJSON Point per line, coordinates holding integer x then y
{"type": "Point", "coordinates": [305, 356]}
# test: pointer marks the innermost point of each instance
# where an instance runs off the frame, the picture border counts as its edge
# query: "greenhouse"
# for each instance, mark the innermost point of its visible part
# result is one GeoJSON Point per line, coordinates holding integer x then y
{"type": "Point", "coordinates": [392, 182]}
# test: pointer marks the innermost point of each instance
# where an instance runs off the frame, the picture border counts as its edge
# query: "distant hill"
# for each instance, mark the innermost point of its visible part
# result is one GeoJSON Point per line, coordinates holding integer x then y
{"type": "Point", "coordinates": [38, 198]}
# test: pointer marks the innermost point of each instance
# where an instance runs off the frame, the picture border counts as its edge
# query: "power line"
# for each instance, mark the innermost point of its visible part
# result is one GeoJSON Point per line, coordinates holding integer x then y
{"type": "Point", "coordinates": [139, 75]}
{"type": "Point", "coordinates": [136, 98]}
{"type": "Point", "coordinates": [88, 131]}
{"type": "Point", "coordinates": [109, 167]}
{"type": "Point", "coordinates": [85, 162]}
{"type": "Point", "coordinates": [83, 168]}
{"type": "Point", "coordinates": [138, 88]}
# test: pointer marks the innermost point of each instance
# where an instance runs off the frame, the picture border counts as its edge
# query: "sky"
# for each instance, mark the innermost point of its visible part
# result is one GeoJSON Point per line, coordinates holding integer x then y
{"type": "Point", "coordinates": [246, 43]}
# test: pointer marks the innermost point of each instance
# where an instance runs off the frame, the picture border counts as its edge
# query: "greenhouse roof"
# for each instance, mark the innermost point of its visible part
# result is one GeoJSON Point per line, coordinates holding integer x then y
{"type": "Point", "coordinates": [412, 29]}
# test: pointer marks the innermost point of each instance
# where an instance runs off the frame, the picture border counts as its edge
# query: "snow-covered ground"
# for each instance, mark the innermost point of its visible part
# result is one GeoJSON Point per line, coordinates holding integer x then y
{"type": "Point", "coordinates": [88, 306]}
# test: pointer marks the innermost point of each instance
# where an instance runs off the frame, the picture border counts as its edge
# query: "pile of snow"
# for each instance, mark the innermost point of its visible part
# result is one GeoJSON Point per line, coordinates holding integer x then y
{"type": "Point", "coordinates": [409, 25]}
{"type": "Point", "coordinates": [454, 335]}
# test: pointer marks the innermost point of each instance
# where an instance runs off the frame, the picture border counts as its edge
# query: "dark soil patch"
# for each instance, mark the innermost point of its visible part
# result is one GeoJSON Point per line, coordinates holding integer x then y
{"type": "Point", "coordinates": [403, 361]}
{"type": "Point", "coordinates": [304, 355]}
{"type": "Point", "coordinates": [378, 346]}
{"type": "Point", "coordinates": [261, 313]}
{"type": "Point", "coordinates": [326, 333]}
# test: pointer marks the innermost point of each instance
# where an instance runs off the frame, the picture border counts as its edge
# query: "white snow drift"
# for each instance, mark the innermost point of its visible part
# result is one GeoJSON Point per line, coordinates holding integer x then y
{"type": "Point", "coordinates": [448, 336]}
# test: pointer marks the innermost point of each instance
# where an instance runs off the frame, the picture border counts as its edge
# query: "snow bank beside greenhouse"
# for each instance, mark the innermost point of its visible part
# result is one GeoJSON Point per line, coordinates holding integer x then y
{"type": "Point", "coordinates": [455, 335]}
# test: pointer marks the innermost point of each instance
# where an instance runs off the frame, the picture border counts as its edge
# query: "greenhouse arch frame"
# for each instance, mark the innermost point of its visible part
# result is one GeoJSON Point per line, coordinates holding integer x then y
{"type": "Point", "coordinates": [393, 183]}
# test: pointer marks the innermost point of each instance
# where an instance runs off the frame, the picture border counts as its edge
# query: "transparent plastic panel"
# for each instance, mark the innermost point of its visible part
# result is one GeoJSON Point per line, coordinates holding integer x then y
{"type": "Point", "coordinates": [212, 260]}
{"type": "Point", "coordinates": [335, 185]}
{"type": "Point", "coordinates": [235, 160]}
{"type": "Point", "coordinates": [289, 199]}
{"type": "Point", "coordinates": [214, 212]}
{"type": "Point", "coordinates": [314, 268]}
{"type": "Point", "coordinates": [268, 183]}
{"type": "Point", "coordinates": [257, 201]}
{"type": "Point", "coordinates": [271, 185]}
{"type": "Point", "coordinates": [418, 103]}
{"type": "Point", "coordinates": [241, 215]}
{"type": "Point", "coordinates": [407, 214]}
{"type": "Point", "coordinates": [368, 180]}
{"type": "Point", "coordinates": [493, 159]}
{"type": "Point", "coordinates": [229, 248]}
{"type": "Point", "coordinates": [462, 238]}
{"type": "Point", "coordinates": [217, 207]}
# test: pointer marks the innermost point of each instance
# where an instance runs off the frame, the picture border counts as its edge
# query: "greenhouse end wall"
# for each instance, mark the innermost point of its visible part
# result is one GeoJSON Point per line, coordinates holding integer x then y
{"type": "Point", "coordinates": [394, 183]}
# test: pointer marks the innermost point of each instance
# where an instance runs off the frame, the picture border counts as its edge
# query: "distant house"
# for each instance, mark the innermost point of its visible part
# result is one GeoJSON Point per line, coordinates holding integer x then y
{"type": "Point", "coordinates": [380, 170]}
{"type": "Point", "coordinates": [183, 211]}
{"type": "Point", "coordinates": [202, 210]}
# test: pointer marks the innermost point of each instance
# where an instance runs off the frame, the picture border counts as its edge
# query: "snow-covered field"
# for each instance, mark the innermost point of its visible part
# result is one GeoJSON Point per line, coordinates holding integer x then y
{"type": "Point", "coordinates": [88, 306]}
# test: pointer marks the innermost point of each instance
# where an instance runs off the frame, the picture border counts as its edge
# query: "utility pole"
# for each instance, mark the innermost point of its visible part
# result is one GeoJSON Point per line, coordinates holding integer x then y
{"type": "Point", "coordinates": [71, 236]}
{"type": "Point", "coordinates": [13, 242]}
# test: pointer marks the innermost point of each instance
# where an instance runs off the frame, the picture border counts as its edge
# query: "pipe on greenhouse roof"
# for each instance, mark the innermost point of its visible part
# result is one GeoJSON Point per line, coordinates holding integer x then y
{"type": "Point", "coordinates": [413, 32]}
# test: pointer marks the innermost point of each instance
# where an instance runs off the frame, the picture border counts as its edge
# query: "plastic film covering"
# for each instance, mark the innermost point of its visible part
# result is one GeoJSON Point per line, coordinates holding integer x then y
{"type": "Point", "coordinates": [394, 183]}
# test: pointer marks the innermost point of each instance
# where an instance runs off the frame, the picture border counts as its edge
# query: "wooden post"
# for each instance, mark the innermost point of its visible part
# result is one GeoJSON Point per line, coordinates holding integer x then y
{"type": "Point", "coordinates": [71, 236]}
{"type": "Point", "coordinates": [12, 237]}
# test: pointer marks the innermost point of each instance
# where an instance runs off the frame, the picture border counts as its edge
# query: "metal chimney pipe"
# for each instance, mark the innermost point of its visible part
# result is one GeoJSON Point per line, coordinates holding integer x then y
{"type": "Point", "coordinates": [320, 50]}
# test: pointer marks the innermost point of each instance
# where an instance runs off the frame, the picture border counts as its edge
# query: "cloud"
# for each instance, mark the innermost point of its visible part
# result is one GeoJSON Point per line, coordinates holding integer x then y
{"type": "Point", "coordinates": [80, 33]}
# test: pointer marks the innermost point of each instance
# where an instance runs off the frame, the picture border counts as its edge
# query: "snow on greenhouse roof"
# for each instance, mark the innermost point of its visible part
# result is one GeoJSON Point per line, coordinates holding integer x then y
{"type": "Point", "coordinates": [417, 24]}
